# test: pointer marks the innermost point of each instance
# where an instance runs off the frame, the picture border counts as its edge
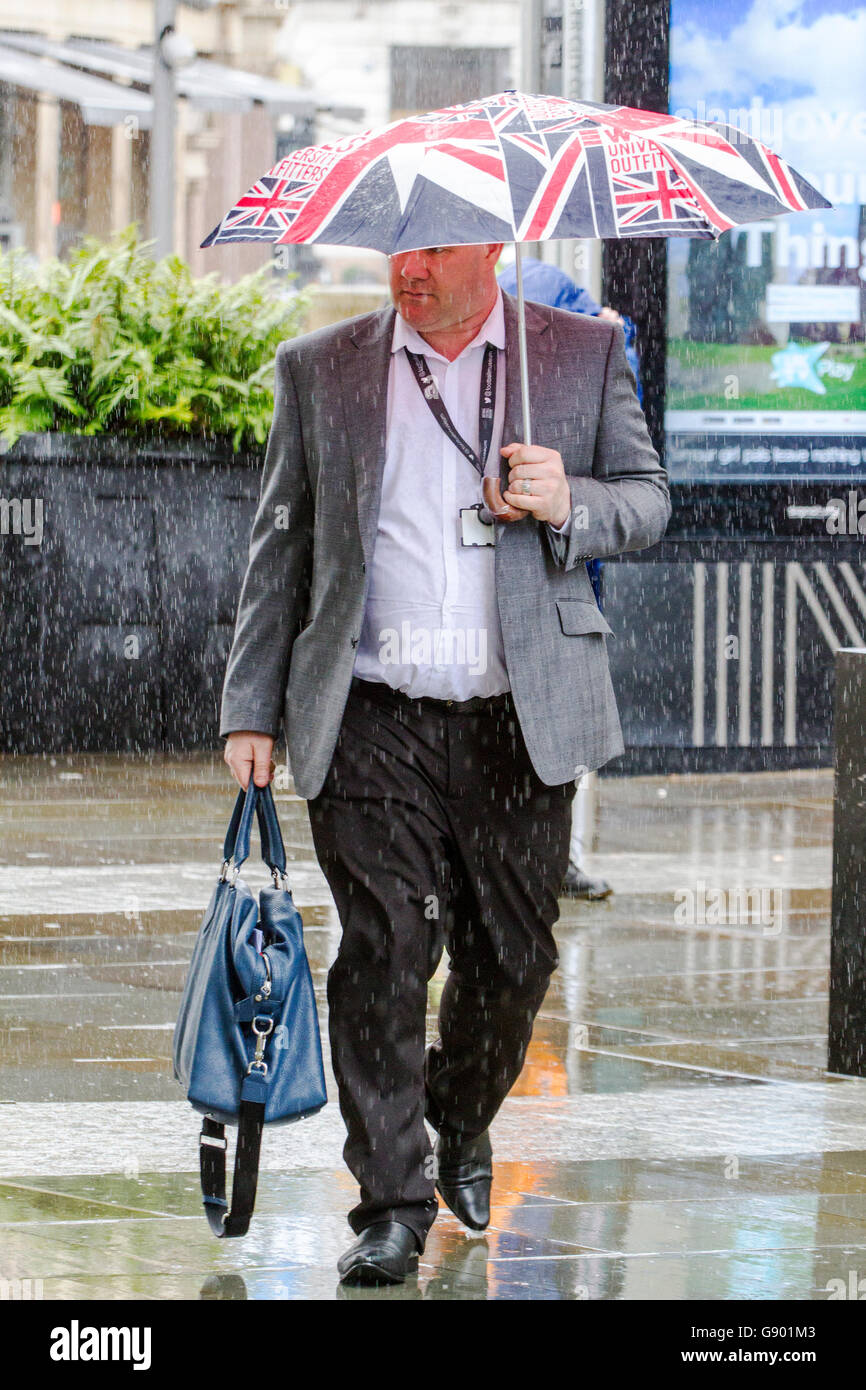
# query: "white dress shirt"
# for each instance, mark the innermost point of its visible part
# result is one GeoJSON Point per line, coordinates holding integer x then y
{"type": "Point", "coordinates": [431, 623]}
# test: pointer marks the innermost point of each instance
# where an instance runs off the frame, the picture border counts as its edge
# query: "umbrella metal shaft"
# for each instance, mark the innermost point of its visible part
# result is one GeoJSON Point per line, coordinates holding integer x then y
{"type": "Point", "coordinates": [521, 335]}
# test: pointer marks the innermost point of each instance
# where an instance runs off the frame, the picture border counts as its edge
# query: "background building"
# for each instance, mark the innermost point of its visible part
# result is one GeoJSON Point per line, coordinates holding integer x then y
{"type": "Point", "coordinates": [76, 111]}
{"type": "Point", "coordinates": [76, 114]}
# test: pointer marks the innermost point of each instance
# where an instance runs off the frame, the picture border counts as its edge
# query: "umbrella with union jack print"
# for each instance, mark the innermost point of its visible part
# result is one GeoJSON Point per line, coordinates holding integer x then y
{"type": "Point", "coordinates": [514, 167]}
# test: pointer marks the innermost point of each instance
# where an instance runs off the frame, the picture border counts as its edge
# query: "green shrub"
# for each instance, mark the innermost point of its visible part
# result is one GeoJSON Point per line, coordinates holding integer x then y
{"type": "Point", "coordinates": [112, 341]}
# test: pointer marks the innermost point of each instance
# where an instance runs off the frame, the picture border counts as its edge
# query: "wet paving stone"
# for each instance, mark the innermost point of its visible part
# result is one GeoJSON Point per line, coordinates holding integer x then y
{"type": "Point", "coordinates": [674, 1135]}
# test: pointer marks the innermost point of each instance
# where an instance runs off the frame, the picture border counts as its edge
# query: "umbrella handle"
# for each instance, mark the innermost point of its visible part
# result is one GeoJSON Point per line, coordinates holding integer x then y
{"type": "Point", "coordinates": [493, 501]}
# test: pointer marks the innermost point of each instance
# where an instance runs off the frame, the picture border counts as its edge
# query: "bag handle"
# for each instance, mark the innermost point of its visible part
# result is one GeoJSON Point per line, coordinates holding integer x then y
{"type": "Point", "coordinates": [236, 846]}
{"type": "Point", "coordinates": [273, 849]}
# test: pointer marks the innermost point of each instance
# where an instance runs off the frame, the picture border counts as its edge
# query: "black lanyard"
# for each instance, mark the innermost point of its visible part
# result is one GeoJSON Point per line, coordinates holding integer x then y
{"type": "Point", "coordinates": [430, 392]}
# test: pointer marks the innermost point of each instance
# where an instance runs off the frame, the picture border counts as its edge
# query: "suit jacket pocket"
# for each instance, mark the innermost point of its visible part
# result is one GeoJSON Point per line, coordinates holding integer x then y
{"type": "Point", "coordinates": [578, 616]}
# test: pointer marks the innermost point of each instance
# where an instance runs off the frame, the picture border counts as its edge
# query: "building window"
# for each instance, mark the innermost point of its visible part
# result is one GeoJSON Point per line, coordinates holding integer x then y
{"type": "Point", "coordinates": [423, 79]}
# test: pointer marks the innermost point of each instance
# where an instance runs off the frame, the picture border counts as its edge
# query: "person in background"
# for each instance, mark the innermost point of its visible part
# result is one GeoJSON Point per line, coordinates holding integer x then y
{"type": "Point", "coordinates": [547, 284]}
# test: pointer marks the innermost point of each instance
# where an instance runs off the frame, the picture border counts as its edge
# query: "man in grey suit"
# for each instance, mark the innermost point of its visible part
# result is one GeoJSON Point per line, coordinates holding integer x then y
{"type": "Point", "coordinates": [441, 680]}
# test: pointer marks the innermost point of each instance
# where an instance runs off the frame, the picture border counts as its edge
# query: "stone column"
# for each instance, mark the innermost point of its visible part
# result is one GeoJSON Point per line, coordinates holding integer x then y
{"type": "Point", "coordinates": [46, 184]}
{"type": "Point", "coordinates": [121, 174]}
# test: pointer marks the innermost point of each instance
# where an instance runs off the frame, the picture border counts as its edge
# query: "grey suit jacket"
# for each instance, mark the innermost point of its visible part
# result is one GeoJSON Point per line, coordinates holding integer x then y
{"type": "Point", "coordinates": [302, 603]}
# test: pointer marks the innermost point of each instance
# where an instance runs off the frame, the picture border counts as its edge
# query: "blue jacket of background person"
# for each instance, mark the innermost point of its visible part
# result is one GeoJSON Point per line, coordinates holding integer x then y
{"type": "Point", "coordinates": [547, 284]}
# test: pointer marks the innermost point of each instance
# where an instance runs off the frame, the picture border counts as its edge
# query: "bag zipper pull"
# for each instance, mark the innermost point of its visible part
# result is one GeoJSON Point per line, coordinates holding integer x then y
{"type": "Point", "coordinates": [266, 987]}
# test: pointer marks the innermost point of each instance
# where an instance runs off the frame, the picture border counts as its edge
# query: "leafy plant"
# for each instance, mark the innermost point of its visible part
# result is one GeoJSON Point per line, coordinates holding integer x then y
{"type": "Point", "coordinates": [113, 341]}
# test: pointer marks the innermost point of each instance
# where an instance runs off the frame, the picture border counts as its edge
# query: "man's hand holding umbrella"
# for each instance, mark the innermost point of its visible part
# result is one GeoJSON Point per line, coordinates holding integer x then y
{"type": "Point", "coordinates": [537, 484]}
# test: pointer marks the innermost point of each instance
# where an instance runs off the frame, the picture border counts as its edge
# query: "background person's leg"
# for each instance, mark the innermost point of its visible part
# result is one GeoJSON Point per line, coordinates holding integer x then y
{"type": "Point", "coordinates": [580, 832]}
{"type": "Point", "coordinates": [577, 882]}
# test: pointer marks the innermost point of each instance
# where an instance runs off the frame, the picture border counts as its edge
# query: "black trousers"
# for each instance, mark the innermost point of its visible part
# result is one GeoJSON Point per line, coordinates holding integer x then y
{"type": "Point", "coordinates": [433, 829]}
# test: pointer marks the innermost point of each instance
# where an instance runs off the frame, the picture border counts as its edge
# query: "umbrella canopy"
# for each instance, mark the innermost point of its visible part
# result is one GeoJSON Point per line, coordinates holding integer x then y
{"type": "Point", "coordinates": [513, 167]}
{"type": "Point", "coordinates": [518, 168]}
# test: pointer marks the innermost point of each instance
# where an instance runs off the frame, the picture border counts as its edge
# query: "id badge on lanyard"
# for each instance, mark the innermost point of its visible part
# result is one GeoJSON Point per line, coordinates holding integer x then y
{"type": "Point", "coordinates": [473, 531]}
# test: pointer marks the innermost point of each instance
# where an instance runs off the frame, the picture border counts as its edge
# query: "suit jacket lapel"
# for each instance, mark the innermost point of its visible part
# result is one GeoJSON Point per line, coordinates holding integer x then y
{"type": "Point", "coordinates": [364, 377]}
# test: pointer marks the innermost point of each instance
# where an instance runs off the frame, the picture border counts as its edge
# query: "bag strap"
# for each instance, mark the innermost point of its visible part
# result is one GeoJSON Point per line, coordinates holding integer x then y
{"type": "Point", "coordinates": [236, 846]}
{"type": "Point", "coordinates": [212, 1161]}
{"type": "Point", "coordinates": [235, 1221]}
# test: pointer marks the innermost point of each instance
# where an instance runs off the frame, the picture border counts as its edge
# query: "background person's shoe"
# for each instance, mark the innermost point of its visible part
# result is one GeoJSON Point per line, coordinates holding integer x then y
{"type": "Point", "coordinates": [464, 1176]}
{"type": "Point", "coordinates": [577, 884]}
{"type": "Point", "coordinates": [384, 1253]}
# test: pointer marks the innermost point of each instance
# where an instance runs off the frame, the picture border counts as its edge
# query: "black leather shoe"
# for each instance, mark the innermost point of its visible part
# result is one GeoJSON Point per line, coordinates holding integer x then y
{"type": "Point", "coordinates": [384, 1253]}
{"type": "Point", "coordinates": [577, 884]}
{"type": "Point", "coordinates": [464, 1175]}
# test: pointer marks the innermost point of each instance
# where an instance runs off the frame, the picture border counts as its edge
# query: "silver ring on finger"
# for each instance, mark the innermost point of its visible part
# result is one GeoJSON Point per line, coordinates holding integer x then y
{"type": "Point", "coordinates": [527, 489]}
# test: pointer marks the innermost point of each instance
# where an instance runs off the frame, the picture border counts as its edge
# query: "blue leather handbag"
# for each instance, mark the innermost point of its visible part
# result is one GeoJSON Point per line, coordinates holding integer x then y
{"type": "Point", "coordinates": [246, 1044]}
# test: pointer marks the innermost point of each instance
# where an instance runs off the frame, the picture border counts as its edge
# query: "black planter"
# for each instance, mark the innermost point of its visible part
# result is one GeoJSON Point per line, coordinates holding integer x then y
{"type": "Point", "coordinates": [117, 626]}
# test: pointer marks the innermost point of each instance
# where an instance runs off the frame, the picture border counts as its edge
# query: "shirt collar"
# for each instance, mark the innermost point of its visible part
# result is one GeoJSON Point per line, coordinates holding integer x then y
{"type": "Point", "coordinates": [492, 331]}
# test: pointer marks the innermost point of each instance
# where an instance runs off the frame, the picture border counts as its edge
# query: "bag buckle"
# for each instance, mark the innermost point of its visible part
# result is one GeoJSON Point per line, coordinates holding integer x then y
{"type": "Point", "coordinates": [229, 872]}
{"type": "Point", "coordinates": [281, 879]}
{"type": "Point", "coordinates": [262, 1027]}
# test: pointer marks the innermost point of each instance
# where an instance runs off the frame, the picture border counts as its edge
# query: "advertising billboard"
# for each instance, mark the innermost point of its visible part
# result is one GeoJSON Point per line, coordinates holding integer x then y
{"type": "Point", "coordinates": [766, 359]}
